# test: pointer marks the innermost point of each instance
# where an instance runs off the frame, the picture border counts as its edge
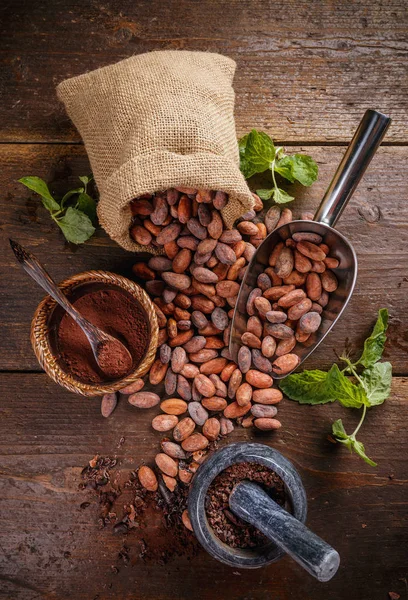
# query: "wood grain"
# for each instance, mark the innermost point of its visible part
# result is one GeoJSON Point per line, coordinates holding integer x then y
{"type": "Point", "coordinates": [52, 549]}
{"type": "Point", "coordinates": [307, 69]}
{"type": "Point", "coordinates": [375, 222]}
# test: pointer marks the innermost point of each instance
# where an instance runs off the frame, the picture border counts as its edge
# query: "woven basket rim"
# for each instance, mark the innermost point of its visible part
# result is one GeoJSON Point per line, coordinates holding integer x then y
{"type": "Point", "coordinates": [49, 362]}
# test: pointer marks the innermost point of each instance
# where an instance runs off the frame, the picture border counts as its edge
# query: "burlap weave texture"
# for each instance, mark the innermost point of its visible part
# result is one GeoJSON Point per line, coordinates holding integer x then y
{"type": "Point", "coordinates": [156, 121]}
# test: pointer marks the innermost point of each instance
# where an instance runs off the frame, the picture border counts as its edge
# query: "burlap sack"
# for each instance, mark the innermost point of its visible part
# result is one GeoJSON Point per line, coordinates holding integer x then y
{"type": "Point", "coordinates": [155, 121]}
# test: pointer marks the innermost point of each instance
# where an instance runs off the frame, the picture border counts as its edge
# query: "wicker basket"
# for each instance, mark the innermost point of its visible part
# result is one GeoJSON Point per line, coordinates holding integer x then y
{"type": "Point", "coordinates": [44, 327]}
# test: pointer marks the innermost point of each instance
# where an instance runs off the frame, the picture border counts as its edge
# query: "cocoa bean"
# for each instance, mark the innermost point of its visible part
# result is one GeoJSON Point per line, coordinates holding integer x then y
{"type": "Point", "coordinates": [147, 478]}
{"type": "Point", "coordinates": [132, 388]}
{"type": "Point", "coordinates": [197, 412]}
{"type": "Point", "coordinates": [244, 359]}
{"type": "Point", "coordinates": [267, 424]}
{"type": "Point", "coordinates": [173, 406]}
{"type": "Point", "coordinates": [267, 396]}
{"type": "Point", "coordinates": [264, 411]}
{"type": "Point", "coordinates": [164, 422]}
{"type": "Point", "coordinates": [166, 464]}
{"type": "Point", "coordinates": [211, 429]}
{"type": "Point", "coordinates": [183, 388]}
{"type": "Point", "coordinates": [178, 359]}
{"type": "Point", "coordinates": [204, 385]}
{"type": "Point", "coordinates": [195, 442]}
{"type": "Point", "coordinates": [108, 404]}
{"type": "Point", "coordinates": [172, 449]}
{"type": "Point", "coordinates": [260, 362]}
{"type": "Point", "coordinates": [183, 429]}
{"type": "Point", "coordinates": [144, 399]}
{"type": "Point", "coordinates": [170, 382]}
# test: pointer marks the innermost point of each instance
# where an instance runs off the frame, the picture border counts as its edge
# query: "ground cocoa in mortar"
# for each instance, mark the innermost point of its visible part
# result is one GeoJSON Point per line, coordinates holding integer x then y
{"type": "Point", "coordinates": [227, 527]}
{"type": "Point", "coordinates": [115, 313]}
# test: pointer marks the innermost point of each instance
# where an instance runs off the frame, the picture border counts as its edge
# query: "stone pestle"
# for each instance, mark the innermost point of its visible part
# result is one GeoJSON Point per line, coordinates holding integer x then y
{"type": "Point", "coordinates": [252, 504]}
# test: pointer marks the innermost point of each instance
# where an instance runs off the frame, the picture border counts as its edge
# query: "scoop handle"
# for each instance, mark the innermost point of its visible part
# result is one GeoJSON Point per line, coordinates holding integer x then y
{"type": "Point", "coordinates": [361, 150]}
{"type": "Point", "coordinates": [249, 502]}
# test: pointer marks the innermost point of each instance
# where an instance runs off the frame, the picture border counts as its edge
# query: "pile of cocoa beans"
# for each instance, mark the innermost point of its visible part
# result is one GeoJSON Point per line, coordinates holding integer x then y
{"type": "Point", "coordinates": [194, 285]}
{"type": "Point", "coordinates": [286, 305]}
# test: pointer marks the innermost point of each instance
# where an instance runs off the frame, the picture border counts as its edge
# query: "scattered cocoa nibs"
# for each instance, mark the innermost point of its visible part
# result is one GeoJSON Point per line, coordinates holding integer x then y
{"type": "Point", "coordinates": [229, 528]}
{"type": "Point", "coordinates": [128, 509]}
{"type": "Point", "coordinates": [124, 554]}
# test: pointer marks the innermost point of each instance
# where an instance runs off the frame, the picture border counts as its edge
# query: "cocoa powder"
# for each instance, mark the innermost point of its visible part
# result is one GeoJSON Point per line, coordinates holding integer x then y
{"type": "Point", "coordinates": [227, 527]}
{"type": "Point", "coordinates": [114, 312]}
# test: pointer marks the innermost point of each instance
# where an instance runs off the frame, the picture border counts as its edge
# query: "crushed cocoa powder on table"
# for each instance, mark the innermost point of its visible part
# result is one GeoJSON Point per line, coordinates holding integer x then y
{"type": "Point", "coordinates": [151, 524]}
{"type": "Point", "coordinates": [116, 313]}
{"type": "Point", "coordinates": [227, 527]}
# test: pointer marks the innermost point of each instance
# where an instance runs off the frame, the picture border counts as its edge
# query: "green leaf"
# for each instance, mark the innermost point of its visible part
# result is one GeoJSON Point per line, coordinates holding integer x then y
{"type": "Point", "coordinates": [338, 430]}
{"type": "Point", "coordinates": [343, 390]}
{"type": "Point", "coordinates": [76, 226]}
{"type": "Point", "coordinates": [259, 151]}
{"type": "Point", "coordinates": [350, 442]}
{"type": "Point", "coordinates": [85, 179]}
{"type": "Point", "coordinates": [377, 382]}
{"type": "Point", "coordinates": [242, 144]}
{"type": "Point", "coordinates": [309, 387]}
{"type": "Point", "coordinates": [374, 344]}
{"type": "Point", "coordinates": [246, 168]}
{"type": "Point", "coordinates": [298, 167]}
{"type": "Point", "coordinates": [359, 449]}
{"type": "Point", "coordinates": [281, 197]}
{"type": "Point", "coordinates": [87, 205]}
{"type": "Point", "coordinates": [69, 195]}
{"type": "Point", "coordinates": [39, 186]}
{"type": "Point", "coordinates": [265, 194]}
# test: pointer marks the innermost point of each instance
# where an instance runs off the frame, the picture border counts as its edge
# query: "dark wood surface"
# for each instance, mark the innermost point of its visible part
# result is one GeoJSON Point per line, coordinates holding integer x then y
{"type": "Point", "coordinates": [306, 72]}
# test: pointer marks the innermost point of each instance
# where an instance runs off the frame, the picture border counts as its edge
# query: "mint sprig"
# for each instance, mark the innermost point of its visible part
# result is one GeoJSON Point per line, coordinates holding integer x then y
{"type": "Point", "coordinates": [372, 385]}
{"type": "Point", "coordinates": [258, 154]}
{"type": "Point", "coordinates": [74, 214]}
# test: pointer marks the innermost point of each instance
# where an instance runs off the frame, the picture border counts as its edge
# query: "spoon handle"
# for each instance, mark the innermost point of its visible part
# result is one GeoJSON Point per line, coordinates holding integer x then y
{"type": "Point", "coordinates": [34, 268]}
{"type": "Point", "coordinates": [361, 150]}
{"type": "Point", "coordinates": [249, 502]}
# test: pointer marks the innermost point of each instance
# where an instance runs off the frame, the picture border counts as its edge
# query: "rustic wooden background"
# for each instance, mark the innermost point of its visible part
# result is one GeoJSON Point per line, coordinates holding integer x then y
{"type": "Point", "coordinates": [307, 70]}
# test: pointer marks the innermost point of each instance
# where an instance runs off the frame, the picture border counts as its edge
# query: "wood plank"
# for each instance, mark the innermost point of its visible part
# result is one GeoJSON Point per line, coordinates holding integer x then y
{"type": "Point", "coordinates": [376, 223]}
{"type": "Point", "coordinates": [51, 549]}
{"type": "Point", "coordinates": [306, 69]}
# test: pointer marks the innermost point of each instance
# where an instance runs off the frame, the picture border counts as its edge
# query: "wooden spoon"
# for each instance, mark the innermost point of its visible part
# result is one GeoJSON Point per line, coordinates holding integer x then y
{"type": "Point", "coordinates": [113, 358]}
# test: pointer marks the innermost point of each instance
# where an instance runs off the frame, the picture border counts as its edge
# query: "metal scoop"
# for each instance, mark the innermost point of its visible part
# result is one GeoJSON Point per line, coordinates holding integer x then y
{"type": "Point", "coordinates": [361, 150]}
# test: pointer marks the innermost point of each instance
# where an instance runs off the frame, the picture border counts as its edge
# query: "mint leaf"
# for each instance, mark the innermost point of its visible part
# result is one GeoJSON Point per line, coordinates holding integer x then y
{"type": "Point", "coordinates": [242, 144]}
{"type": "Point", "coordinates": [69, 195]}
{"type": "Point", "coordinates": [247, 168]}
{"type": "Point", "coordinates": [298, 167]}
{"type": "Point", "coordinates": [338, 430]}
{"type": "Point", "coordinates": [377, 382]}
{"type": "Point", "coordinates": [281, 197]}
{"type": "Point", "coordinates": [265, 194]}
{"type": "Point", "coordinates": [343, 390]}
{"type": "Point", "coordinates": [309, 387]}
{"type": "Point", "coordinates": [350, 442]}
{"type": "Point", "coordinates": [76, 226]}
{"type": "Point", "coordinates": [87, 205]}
{"type": "Point", "coordinates": [259, 151]}
{"type": "Point", "coordinates": [359, 449]}
{"type": "Point", "coordinates": [85, 179]}
{"type": "Point", "coordinates": [374, 344]}
{"type": "Point", "coordinates": [39, 186]}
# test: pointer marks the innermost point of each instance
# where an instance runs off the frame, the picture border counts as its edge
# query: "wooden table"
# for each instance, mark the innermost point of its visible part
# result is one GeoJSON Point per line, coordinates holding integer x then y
{"type": "Point", "coordinates": [307, 70]}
